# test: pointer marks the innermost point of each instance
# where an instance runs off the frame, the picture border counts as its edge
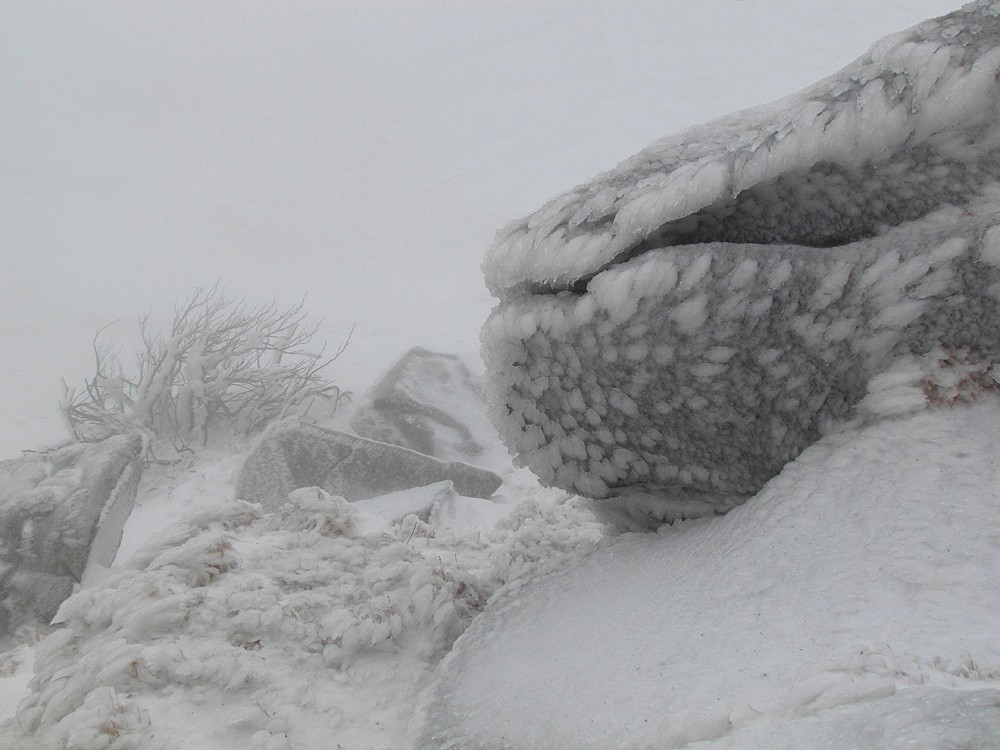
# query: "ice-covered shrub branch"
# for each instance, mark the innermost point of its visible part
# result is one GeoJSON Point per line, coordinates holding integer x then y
{"type": "Point", "coordinates": [222, 364]}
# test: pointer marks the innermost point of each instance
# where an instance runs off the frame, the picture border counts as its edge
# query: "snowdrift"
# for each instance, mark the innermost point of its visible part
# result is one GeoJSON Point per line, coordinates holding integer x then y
{"type": "Point", "coordinates": [850, 604]}
{"type": "Point", "coordinates": [670, 334]}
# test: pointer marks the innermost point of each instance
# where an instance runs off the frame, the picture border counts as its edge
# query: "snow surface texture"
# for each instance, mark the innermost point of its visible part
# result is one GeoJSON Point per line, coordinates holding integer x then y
{"type": "Point", "coordinates": [848, 605]}
{"type": "Point", "coordinates": [428, 402]}
{"type": "Point", "coordinates": [670, 334]}
{"type": "Point", "coordinates": [290, 455]}
{"type": "Point", "coordinates": [312, 627]}
{"type": "Point", "coordinates": [61, 514]}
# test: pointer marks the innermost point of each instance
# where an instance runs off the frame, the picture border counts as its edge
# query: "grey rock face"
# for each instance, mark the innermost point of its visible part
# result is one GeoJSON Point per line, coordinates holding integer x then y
{"type": "Point", "coordinates": [59, 513]}
{"type": "Point", "coordinates": [672, 333]}
{"type": "Point", "coordinates": [428, 402]}
{"type": "Point", "coordinates": [290, 456]}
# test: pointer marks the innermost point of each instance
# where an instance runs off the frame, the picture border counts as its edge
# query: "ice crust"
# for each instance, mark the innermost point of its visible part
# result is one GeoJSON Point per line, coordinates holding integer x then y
{"type": "Point", "coordinates": [672, 333]}
{"type": "Point", "coordinates": [906, 127]}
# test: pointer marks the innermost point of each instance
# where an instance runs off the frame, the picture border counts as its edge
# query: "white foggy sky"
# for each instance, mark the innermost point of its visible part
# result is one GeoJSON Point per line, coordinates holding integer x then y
{"type": "Point", "coordinates": [361, 152]}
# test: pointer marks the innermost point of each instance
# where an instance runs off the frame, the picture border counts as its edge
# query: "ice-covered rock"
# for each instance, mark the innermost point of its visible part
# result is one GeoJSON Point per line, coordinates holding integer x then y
{"type": "Point", "coordinates": [290, 455]}
{"type": "Point", "coordinates": [838, 608]}
{"type": "Point", "coordinates": [429, 402]}
{"type": "Point", "coordinates": [61, 516]}
{"type": "Point", "coordinates": [670, 334]}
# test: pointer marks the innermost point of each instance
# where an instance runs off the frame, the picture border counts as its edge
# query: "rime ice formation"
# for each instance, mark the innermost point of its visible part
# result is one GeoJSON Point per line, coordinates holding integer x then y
{"type": "Point", "coordinates": [61, 513]}
{"type": "Point", "coordinates": [428, 402]}
{"type": "Point", "coordinates": [289, 456]}
{"type": "Point", "coordinates": [673, 332]}
{"type": "Point", "coordinates": [310, 627]}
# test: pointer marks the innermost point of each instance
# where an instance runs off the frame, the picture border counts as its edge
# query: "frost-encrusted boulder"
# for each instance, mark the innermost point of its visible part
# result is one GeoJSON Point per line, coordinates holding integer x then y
{"type": "Point", "coordinates": [289, 456]}
{"type": "Point", "coordinates": [673, 332]}
{"type": "Point", "coordinates": [61, 513]}
{"type": "Point", "coordinates": [429, 402]}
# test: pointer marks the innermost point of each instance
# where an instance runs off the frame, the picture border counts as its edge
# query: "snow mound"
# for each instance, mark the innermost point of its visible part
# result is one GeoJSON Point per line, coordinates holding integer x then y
{"type": "Point", "coordinates": [838, 608]}
{"type": "Point", "coordinates": [312, 627]}
{"type": "Point", "coordinates": [672, 333]}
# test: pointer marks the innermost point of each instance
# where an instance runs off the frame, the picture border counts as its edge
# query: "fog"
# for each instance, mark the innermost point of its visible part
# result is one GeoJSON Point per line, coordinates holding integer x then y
{"type": "Point", "coordinates": [359, 153]}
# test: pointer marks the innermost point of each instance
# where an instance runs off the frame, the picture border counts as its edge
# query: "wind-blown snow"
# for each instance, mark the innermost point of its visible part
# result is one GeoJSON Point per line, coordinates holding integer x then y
{"type": "Point", "coordinates": [848, 605]}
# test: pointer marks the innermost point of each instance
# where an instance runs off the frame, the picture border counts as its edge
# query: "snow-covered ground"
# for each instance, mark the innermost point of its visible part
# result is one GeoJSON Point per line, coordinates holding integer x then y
{"type": "Point", "coordinates": [314, 625]}
{"type": "Point", "coordinates": [365, 154]}
{"type": "Point", "coordinates": [842, 607]}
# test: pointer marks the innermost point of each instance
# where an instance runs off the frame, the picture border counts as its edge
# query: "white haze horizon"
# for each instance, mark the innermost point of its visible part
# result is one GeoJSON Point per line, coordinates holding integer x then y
{"type": "Point", "coordinates": [358, 154]}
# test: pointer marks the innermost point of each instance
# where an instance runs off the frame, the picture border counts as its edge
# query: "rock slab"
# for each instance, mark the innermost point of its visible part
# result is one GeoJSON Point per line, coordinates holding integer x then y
{"type": "Point", "coordinates": [289, 456]}
{"type": "Point", "coordinates": [61, 512]}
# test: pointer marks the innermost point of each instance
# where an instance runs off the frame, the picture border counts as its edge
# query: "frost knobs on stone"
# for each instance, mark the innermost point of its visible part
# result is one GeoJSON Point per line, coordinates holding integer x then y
{"type": "Point", "coordinates": [670, 334]}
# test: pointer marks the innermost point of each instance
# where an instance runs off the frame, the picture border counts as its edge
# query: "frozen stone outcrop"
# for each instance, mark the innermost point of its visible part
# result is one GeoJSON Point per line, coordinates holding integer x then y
{"type": "Point", "coordinates": [290, 455]}
{"type": "Point", "coordinates": [429, 402]}
{"type": "Point", "coordinates": [670, 334]}
{"type": "Point", "coordinates": [61, 513]}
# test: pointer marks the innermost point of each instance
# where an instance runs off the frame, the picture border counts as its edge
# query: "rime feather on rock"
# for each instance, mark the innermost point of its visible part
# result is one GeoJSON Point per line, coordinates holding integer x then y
{"type": "Point", "coordinates": [695, 316]}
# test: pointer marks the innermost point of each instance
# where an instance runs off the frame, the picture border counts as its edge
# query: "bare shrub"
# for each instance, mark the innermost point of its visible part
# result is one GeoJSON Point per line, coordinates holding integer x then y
{"type": "Point", "coordinates": [222, 365]}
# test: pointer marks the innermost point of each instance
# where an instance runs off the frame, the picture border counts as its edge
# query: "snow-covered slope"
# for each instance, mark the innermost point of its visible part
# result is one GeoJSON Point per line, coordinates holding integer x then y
{"type": "Point", "coordinates": [851, 604]}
